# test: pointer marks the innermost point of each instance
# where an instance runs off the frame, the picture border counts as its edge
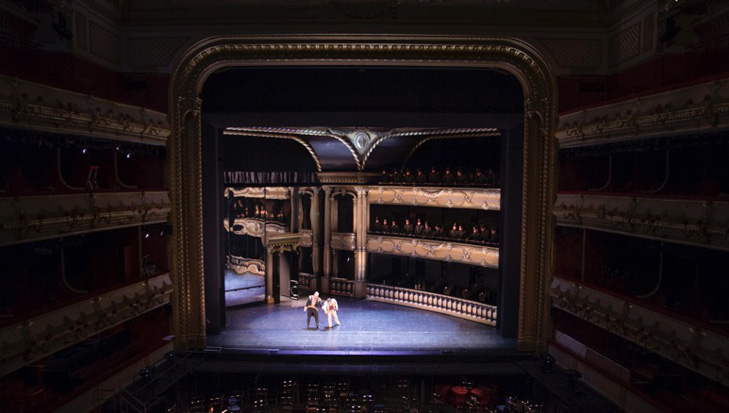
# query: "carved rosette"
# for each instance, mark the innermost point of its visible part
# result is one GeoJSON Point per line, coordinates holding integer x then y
{"type": "Point", "coordinates": [468, 198]}
{"type": "Point", "coordinates": [513, 55]}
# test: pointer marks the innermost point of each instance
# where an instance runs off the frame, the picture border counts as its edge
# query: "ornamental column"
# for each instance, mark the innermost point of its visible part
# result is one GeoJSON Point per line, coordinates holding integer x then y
{"type": "Point", "coordinates": [315, 232]}
{"type": "Point", "coordinates": [327, 239]}
{"type": "Point", "coordinates": [269, 275]}
{"type": "Point", "coordinates": [361, 222]}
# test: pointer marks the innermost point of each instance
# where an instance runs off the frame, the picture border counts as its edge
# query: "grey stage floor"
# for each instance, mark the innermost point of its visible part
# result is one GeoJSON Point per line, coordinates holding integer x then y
{"type": "Point", "coordinates": [368, 328]}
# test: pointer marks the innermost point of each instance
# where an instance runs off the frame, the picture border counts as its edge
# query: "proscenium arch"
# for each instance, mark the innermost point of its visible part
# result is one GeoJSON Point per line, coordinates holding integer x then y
{"type": "Point", "coordinates": [539, 153]}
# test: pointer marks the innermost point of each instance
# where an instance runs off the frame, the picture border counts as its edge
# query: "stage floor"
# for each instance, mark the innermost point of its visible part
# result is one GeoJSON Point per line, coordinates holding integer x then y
{"type": "Point", "coordinates": [368, 328]}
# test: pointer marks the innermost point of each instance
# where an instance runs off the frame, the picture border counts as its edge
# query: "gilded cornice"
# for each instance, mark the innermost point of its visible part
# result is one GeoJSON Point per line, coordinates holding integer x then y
{"type": "Point", "coordinates": [253, 227]}
{"type": "Point", "coordinates": [702, 351]}
{"type": "Point", "coordinates": [467, 198]}
{"type": "Point", "coordinates": [510, 54]}
{"type": "Point", "coordinates": [698, 108]}
{"type": "Point", "coordinates": [346, 241]}
{"type": "Point", "coordinates": [434, 250]}
{"type": "Point", "coordinates": [283, 242]}
{"type": "Point", "coordinates": [41, 336]}
{"type": "Point", "coordinates": [38, 107]}
{"type": "Point", "coordinates": [242, 265]}
{"type": "Point", "coordinates": [35, 218]}
{"type": "Point", "coordinates": [687, 221]}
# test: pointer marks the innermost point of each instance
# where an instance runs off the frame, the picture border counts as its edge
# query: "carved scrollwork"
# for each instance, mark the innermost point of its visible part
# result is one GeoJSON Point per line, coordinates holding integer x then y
{"type": "Point", "coordinates": [435, 250]}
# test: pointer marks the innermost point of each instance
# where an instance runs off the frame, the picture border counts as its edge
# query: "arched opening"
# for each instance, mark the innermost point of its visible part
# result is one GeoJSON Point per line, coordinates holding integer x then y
{"type": "Point", "coordinates": [186, 146]}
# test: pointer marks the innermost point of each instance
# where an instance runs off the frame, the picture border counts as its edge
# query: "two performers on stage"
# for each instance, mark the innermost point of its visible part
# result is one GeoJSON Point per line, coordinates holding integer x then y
{"type": "Point", "coordinates": [330, 307]}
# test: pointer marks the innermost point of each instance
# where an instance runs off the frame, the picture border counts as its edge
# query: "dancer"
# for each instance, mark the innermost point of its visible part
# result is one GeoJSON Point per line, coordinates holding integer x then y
{"type": "Point", "coordinates": [330, 309]}
{"type": "Point", "coordinates": [311, 310]}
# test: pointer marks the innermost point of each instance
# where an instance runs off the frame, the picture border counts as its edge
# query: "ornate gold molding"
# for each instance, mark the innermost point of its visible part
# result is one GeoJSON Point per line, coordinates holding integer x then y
{"type": "Point", "coordinates": [38, 107]}
{"type": "Point", "coordinates": [40, 336]}
{"type": "Point", "coordinates": [35, 218]}
{"type": "Point", "coordinates": [269, 192]}
{"type": "Point", "coordinates": [242, 265]}
{"type": "Point", "coordinates": [346, 241]}
{"type": "Point", "coordinates": [283, 242]}
{"type": "Point", "coordinates": [510, 54]}
{"type": "Point", "coordinates": [253, 227]}
{"type": "Point", "coordinates": [434, 250]}
{"type": "Point", "coordinates": [470, 198]}
{"type": "Point", "coordinates": [704, 352]}
{"type": "Point", "coordinates": [703, 107]}
{"type": "Point", "coordinates": [694, 222]}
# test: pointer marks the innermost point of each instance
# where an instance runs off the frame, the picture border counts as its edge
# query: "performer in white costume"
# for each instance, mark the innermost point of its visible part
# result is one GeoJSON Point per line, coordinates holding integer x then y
{"type": "Point", "coordinates": [330, 309]}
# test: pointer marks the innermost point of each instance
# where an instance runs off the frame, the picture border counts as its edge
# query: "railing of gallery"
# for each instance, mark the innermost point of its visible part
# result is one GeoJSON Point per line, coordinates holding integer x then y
{"type": "Point", "coordinates": [457, 307]}
{"type": "Point", "coordinates": [341, 286]}
{"type": "Point", "coordinates": [307, 282]}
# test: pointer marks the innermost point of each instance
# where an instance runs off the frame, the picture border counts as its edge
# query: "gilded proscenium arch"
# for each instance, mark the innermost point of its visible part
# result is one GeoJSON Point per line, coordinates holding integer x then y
{"type": "Point", "coordinates": [513, 55]}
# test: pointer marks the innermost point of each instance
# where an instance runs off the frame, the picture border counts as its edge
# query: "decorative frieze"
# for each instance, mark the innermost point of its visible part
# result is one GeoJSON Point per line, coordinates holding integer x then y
{"type": "Point", "coordinates": [38, 337]}
{"type": "Point", "coordinates": [434, 250]}
{"type": "Point", "coordinates": [702, 351]}
{"type": "Point", "coordinates": [343, 241]}
{"type": "Point", "coordinates": [457, 307]}
{"type": "Point", "coordinates": [702, 107]}
{"type": "Point", "coordinates": [269, 192]}
{"type": "Point", "coordinates": [253, 227]}
{"type": "Point", "coordinates": [33, 106]}
{"type": "Point", "coordinates": [470, 198]}
{"type": "Point", "coordinates": [688, 221]}
{"type": "Point", "coordinates": [35, 218]}
{"type": "Point", "coordinates": [242, 265]}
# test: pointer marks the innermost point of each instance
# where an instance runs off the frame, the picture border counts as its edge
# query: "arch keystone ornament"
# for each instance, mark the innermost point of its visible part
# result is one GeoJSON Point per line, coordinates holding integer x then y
{"type": "Point", "coordinates": [539, 156]}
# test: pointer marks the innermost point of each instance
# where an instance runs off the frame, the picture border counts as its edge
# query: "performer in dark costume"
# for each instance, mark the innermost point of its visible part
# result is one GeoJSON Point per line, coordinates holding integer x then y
{"type": "Point", "coordinates": [311, 310]}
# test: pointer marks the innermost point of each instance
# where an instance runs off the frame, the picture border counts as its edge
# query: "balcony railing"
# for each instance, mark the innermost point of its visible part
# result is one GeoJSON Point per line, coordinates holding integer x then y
{"type": "Point", "coordinates": [434, 250]}
{"type": "Point", "coordinates": [702, 351]}
{"type": "Point", "coordinates": [242, 265]}
{"type": "Point", "coordinates": [441, 197]}
{"type": "Point", "coordinates": [696, 222]}
{"type": "Point", "coordinates": [40, 336]}
{"type": "Point", "coordinates": [457, 307]}
{"type": "Point", "coordinates": [343, 241]}
{"type": "Point", "coordinates": [253, 227]}
{"type": "Point", "coordinates": [341, 286]}
{"type": "Point", "coordinates": [35, 218]}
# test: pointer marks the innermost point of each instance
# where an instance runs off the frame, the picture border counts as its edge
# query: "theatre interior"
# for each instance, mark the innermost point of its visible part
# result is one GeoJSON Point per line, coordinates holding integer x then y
{"type": "Point", "coordinates": [516, 205]}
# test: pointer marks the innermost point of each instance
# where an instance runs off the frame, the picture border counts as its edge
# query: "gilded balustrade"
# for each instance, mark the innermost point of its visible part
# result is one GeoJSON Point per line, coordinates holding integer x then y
{"type": "Point", "coordinates": [688, 221]}
{"type": "Point", "coordinates": [33, 218]}
{"type": "Point", "coordinates": [424, 300]}
{"type": "Point", "coordinates": [253, 227]}
{"type": "Point", "coordinates": [242, 265]}
{"type": "Point", "coordinates": [434, 250]}
{"type": "Point", "coordinates": [440, 197]}
{"type": "Point", "coordinates": [702, 351]}
{"type": "Point", "coordinates": [38, 337]}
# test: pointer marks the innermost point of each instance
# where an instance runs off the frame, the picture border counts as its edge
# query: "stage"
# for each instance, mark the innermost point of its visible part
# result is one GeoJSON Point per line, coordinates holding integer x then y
{"type": "Point", "coordinates": [368, 328]}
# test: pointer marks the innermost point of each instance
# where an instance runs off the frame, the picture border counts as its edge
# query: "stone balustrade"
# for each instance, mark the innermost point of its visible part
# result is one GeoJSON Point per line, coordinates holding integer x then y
{"type": "Point", "coordinates": [457, 307]}
{"type": "Point", "coordinates": [38, 337]}
{"type": "Point", "coordinates": [688, 221]}
{"type": "Point", "coordinates": [341, 286]}
{"type": "Point", "coordinates": [702, 351]}
{"type": "Point", "coordinates": [307, 282]}
{"type": "Point", "coordinates": [35, 218]}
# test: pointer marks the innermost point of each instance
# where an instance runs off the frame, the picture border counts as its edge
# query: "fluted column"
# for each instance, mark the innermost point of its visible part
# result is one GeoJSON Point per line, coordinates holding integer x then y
{"type": "Point", "coordinates": [361, 221]}
{"type": "Point", "coordinates": [327, 239]}
{"type": "Point", "coordinates": [269, 275]}
{"type": "Point", "coordinates": [315, 232]}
